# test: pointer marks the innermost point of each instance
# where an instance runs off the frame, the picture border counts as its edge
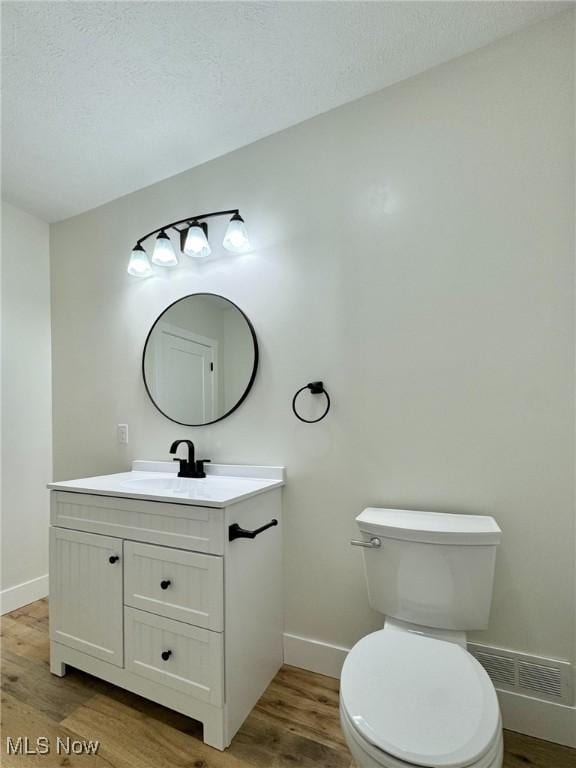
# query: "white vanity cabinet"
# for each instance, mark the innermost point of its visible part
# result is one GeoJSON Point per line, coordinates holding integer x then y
{"type": "Point", "coordinates": [151, 595]}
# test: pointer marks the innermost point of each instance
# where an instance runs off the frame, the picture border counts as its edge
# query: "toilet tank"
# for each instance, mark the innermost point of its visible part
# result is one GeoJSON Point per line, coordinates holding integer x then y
{"type": "Point", "coordinates": [430, 568]}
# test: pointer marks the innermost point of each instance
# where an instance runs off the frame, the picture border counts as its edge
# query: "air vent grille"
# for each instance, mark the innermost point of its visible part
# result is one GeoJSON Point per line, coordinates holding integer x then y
{"type": "Point", "coordinates": [540, 679]}
{"type": "Point", "coordinates": [502, 671]}
{"type": "Point", "coordinates": [531, 675]}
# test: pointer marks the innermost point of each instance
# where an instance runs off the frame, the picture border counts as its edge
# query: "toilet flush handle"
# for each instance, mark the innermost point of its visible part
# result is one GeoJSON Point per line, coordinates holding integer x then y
{"type": "Point", "coordinates": [374, 543]}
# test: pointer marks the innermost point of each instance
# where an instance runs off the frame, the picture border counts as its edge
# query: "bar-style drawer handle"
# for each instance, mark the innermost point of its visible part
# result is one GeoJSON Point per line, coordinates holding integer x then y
{"type": "Point", "coordinates": [165, 584]}
{"type": "Point", "coordinates": [374, 543]}
{"type": "Point", "coordinates": [166, 655]}
{"type": "Point", "coordinates": [235, 532]}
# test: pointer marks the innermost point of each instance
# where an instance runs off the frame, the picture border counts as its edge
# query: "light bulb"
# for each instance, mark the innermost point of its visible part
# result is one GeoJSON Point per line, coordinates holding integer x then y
{"type": "Point", "coordinates": [197, 244]}
{"type": "Point", "coordinates": [164, 254]}
{"type": "Point", "coordinates": [236, 237]}
{"type": "Point", "coordinates": [139, 266]}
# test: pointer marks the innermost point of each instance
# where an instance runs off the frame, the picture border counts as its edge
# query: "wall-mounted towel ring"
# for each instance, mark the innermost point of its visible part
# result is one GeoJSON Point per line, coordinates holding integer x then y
{"type": "Point", "coordinates": [316, 388]}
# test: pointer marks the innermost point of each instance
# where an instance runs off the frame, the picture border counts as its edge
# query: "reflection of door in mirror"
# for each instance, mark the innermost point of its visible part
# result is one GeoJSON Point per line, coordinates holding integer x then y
{"type": "Point", "coordinates": [200, 359]}
{"type": "Point", "coordinates": [185, 383]}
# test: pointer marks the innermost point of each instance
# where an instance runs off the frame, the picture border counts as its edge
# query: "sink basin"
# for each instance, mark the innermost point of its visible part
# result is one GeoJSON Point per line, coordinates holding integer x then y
{"type": "Point", "coordinates": [205, 488]}
{"type": "Point", "coordinates": [176, 484]}
{"type": "Point", "coordinates": [195, 488]}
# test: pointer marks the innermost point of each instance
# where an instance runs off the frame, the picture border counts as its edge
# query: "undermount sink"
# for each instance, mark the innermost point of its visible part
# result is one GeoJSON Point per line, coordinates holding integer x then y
{"type": "Point", "coordinates": [176, 484]}
{"type": "Point", "coordinates": [215, 488]}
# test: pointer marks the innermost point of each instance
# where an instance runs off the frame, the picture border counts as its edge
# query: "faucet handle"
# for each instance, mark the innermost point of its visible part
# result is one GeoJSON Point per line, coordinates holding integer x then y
{"type": "Point", "coordinates": [200, 467]}
{"type": "Point", "coordinates": [183, 465]}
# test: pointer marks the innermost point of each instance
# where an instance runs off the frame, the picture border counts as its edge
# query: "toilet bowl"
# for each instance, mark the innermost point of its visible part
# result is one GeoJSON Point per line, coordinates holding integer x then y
{"type": "Point", "coordinates": [408, 699]}
{"type": "Point", "coordinates": [411, 695]}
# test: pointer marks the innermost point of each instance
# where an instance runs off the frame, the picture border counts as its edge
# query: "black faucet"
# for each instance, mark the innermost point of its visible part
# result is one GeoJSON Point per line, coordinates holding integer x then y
{"type": "Point", "coordinates": [189, 467]}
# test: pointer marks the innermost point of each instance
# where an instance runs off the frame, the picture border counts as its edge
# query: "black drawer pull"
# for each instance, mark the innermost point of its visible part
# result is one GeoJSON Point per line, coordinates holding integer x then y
{"type": "Point", "coordinates": [165, 584]}
{"type": "Point", "coordinates": [166, 655]}
{"type": "Point", "coordinates": [113, 559]}
{"type": "Point", "coordinates": [235, 532]}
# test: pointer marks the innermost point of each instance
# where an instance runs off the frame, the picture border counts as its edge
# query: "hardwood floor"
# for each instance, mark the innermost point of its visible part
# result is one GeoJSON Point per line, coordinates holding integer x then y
{"type": "Point", "coordinates": [294, 725]}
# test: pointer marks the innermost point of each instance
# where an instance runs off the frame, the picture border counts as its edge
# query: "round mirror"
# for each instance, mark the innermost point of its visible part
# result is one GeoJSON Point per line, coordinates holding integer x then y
{"type": "Point", "coordinates": [200, 359]}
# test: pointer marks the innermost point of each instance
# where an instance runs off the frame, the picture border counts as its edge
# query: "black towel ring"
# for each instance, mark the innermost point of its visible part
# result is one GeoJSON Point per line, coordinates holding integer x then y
{"type": "Point", "coordinates": [316, 388]}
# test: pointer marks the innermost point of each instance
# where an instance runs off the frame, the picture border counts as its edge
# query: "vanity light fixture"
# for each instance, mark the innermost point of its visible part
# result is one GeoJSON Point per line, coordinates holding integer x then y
{"type": "Point", "coordinates": [193, 233]}
{"type": "Point", "coordinates": [236, 237]}
{"type": "Point", "coordinates": [163, 254]}
{"type": "Point", "coordinates": [197, 244]}
{"type": "Point", "coordinates": [139, 266]}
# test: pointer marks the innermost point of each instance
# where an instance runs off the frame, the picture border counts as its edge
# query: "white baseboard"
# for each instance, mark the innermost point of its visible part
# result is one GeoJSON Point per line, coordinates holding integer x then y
{"type": "Point", "coordinates": [536, 717]}
{"type": "Point", "coordinates": [524, 714]}
{"type": "Point", "coordinates": [23, 594]}
{"type": "Point", "coordinates": [314, 655]}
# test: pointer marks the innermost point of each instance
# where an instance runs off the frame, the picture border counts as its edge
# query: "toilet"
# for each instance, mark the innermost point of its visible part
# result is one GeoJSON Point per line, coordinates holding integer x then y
{"type": "Point", "coordinates": [411, 694]}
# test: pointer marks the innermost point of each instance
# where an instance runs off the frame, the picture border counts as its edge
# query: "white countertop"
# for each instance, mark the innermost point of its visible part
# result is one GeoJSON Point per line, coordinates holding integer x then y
{"type": "Point", "coordinates": [223, 485]}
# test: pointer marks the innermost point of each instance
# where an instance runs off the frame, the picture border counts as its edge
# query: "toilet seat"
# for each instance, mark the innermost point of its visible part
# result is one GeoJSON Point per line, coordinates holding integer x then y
{"type": "Point", "coordinates": [420, 700]}
{"type": "Point", "coordinates": [366, 755]}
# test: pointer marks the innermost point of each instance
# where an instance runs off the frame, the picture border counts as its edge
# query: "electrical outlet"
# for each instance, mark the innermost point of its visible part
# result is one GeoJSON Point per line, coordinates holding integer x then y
{"type": "Point", "coordinates": [123, 434]}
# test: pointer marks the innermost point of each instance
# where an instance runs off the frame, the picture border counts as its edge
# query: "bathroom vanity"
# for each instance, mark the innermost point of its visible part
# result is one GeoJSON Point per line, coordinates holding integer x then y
{"type": "Point", "coordinates": [171, 587]}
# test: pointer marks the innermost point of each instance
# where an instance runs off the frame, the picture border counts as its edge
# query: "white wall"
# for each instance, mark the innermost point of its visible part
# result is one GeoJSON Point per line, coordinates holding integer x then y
{"type": "Point", "coordinates": [414, 250]}
{"type": "Point", "coordinates": [26, 407]}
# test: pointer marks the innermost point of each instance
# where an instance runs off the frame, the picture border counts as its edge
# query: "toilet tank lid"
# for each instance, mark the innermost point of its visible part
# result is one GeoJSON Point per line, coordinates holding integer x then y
{"type": "Point", "coordinates": [429, 527]}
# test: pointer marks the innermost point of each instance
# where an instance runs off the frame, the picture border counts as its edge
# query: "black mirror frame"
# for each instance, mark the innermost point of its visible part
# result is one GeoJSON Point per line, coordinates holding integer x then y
{"type": "Point", "coordinates": [254, 368]}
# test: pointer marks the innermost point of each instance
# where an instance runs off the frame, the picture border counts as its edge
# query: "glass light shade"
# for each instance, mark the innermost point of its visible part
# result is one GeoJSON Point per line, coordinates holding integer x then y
{"type": "Point", "coordinates": [197, 244]}
{"type": "Point", "coordinates": [164, 255]}
{"type": "Point", "coordinates": [236, 237]}
{"type": "Point", "coordinates": [139, 266]}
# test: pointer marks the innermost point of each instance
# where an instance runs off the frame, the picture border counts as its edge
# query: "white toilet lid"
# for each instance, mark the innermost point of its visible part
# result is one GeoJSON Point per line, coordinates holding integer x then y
{"type": "Point", "coordinates": [425, 701]}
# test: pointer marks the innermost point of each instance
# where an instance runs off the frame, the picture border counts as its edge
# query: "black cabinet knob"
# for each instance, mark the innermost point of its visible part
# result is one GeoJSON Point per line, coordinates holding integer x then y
{"type": "Point", "coordinates": [165, 584]}
{"type": "Point", "coordinates": [113, 559]}
{"type": "Point", "coordinates": [166, 655]}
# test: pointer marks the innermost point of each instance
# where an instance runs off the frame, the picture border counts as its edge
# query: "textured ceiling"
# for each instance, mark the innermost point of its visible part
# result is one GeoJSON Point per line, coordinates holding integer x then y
{"type": "Point", "coordinates": [103, 98]}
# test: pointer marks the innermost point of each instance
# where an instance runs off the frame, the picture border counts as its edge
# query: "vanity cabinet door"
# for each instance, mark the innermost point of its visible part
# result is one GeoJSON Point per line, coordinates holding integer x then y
{"type": "Point", "coordinates": [86, 611]}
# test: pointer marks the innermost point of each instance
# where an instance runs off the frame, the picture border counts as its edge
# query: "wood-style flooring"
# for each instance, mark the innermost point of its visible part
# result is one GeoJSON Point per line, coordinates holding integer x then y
{"type": "Point", "coordinates": [295, 723]}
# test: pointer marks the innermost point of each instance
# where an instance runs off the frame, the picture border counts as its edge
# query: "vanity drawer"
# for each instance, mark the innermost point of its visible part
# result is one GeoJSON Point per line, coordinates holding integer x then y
{"type": "Point", "coordinates": [186, 586]}
{"type": "Point", "coordinates": [194, 658]}
{"type": "Point", "coordinates": [173, 525]}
